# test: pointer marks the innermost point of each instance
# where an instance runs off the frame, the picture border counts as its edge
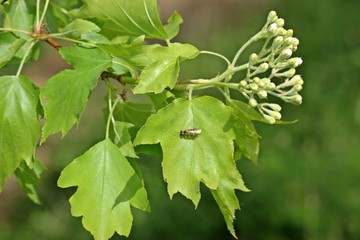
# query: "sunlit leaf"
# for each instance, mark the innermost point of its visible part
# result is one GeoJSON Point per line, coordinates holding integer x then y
{"type": "Point", "coordinates": [135, 18]}
{"type": "Point", "coordinates": [67, 93]}
{"type": "Point", "coordinates": [19, 125]}
{"type": "Point", "coordinates": [107, 186]}
{"type": "Point", "coordinates": [207, 158]}
{"type": "Point", "coordinates": [164, 71]}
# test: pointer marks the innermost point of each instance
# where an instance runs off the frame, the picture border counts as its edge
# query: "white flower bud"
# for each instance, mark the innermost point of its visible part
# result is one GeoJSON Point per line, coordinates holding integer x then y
{"type": "Point", "coordinates": [269, 119]}
{"type": "Point", "coordinates": [243, 83]}
{"type": "Point", "coordinates": [272, 28]}
{"type": "Point", "coordinates": [281, 31]}
{"type": "Point", "coordinates": [266, 80]}
{"type": "Point", "coordinates": [289, 73]}
{"type": "Point", "coordinates": [253, 58]}
{"type": "Point", "coordinates": [278, 41]}
{"type": "Point", "coordinates": [273, 106]}
{"type": "Point", "coordinates": [270, 86]}
{"type": "Point", "coordinates": [297, 79]}
{"type": "Point", "coordinates": [298, 87]}
{"type": "Point", "coordinates": [295, 41]}
{"type": "Point", "coordinates": [252, 102]}
{"type": "Point", "coordinates": [298, 99]}
{"type": "Point", "coordinates": [295, 62]}
{"type": "Point", "coordinates": [254, 86]}
{"type": "Point", "coordinates": [272, 17]}
{"type": "Point", "coordinates": [276, 115]}
{"type": "Point", "coordinates": [263, 67]}
{"type": "Point", "coordinates": [289, 33]}
{"type": "Point", "coordinates": [288, 41]}
{"type": "Point", "coordinates": [262, 94]}
{"type": "Point", "coordinates": [286, 53]}
{"type": "Point", "coordinates": [280, 22]}
{"type": "Point", "coordinates": [256, 80]}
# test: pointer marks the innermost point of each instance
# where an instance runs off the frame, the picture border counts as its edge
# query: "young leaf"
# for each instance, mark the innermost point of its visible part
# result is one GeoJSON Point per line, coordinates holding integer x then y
{"type": "Point", "coordinates": [164, 71]}
{"type": "Point", "coordinates": [9, 45]}
{"type": "Point", "coordinates": [107, 186]}
{"type": "Point", "coordinates": [19, 125]}
{"type": "Point", "coordinates": [18, 17]}
{"type": "Point", "coordinates": [173, 26]}
{"type": "Point", "coordinates": [67, 92]}
{"type": "Point", "coordinates": [135, 18]}
{"type": "Point", "coordinates": [207, 158]}
{"type": "Point", "coordinates": [29, 178]}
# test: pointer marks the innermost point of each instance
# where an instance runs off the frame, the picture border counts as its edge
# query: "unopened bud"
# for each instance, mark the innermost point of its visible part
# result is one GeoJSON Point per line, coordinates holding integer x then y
{"type": "Point", "coordinates": [295, 41]}
{"type": "Point", "coordinates": [281, 31]}
{"type": "Point", "coordinates": [296, 99]}
{"type": "Point", "coordinates": [253, 58]}
{"type": "Point", "coordinates": [297, 79]}
{"type": "Point", "coordinates": [286, 53]}
{"type": "Point", "coordinates": [295, 62]}
{"type": "Point", "coordinates": [262, 94]}
{"type": "Point", "coordinates": [270, 86]}
{"type": "Point", "coordinates": [276, 115]}
{"type": "Point", "coordinates": [256, 80]}
{"type": "Point", "coordinates": [289, 33]}
{"type": "Point", "coordinates": [252, 102]}
{"type": "Point", "coordinates": [269, 119]}
{"type": "Point", "coordinates": [263, 67]}
{"type": "Point", "coordinates": [272, 28]}
{"type": "Point", "coordinates": [280, 22]}
{"type": "Point", "coordinates": [298, 87]}
{"type": "Point", "coordinates": [272, 16]}
{"type": "Point", "coordinates": [254, 86]}
{"type": "Point", "coordinates": [243, 83]}
{"type": "Point", "coordinates": [278, 41]}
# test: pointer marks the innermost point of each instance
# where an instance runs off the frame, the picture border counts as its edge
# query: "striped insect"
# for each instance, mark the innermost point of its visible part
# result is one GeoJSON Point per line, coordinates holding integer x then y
{"type": "Point", "coordinates": [190, 134]}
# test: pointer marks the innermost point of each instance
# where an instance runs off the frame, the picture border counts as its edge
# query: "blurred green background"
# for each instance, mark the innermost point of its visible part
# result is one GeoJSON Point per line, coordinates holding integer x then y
{"type": "Point", "coordinates": [306, 183]}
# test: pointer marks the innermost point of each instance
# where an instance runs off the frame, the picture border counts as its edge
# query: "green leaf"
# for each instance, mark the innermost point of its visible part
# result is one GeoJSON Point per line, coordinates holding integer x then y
{"type": "Point", "coordinates": [67, 93]}
{"type": "Point", "coordinates": [173, 26]}
{"type": "Point", "coordinates": [208, 158]}
{"type": "Point", "coordinates": [135, 113]}
{"type": "Point", "coordinates": [247, 139]}
{"type": "Point", "coordinates": [9, 45]}
{"type": "Point", "coordinates": [133, 55]}
{"type": "Point", "coordinates": [164, 71]}
{"type": "Point", "coordinates": [19, 125]}
{"type": "Point", "coordinates": [134, 18]}
{"type": "Point", "coordinates": [18, 17]}
{"type": "Point", "coordinates": [29, 178]}
{"type": "Point", "coordinates": [228, 203]}
{"type": "Point", "coordinates": [107, 186]}
{"type": "Point", "coordinates": [122, 138]}
{"type": "Point", "coordinates": [79, 27]}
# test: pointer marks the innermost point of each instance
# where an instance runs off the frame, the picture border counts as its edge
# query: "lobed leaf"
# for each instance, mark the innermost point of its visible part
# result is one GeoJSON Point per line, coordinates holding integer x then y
{"type": "Point", "coordinates": [164, 71]}
{"type": "Point", "coordinates": [208, 158]}
{"type": "Point", "coordinates": [134, 18]}
{"type": "Point", "coordinates": [67, 93]}
{"type": "Point", "coordinates": [107, 186]}
{"type": "Point", "coordinates": [19, 125]}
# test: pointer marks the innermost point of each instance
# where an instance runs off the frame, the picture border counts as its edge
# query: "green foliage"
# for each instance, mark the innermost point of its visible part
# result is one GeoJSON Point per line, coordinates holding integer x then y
{"type": "Point", "coordinates": [201, 137]}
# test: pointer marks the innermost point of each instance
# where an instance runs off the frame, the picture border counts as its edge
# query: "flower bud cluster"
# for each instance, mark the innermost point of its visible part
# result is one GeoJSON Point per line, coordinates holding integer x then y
{"type": "Point", "coordinates": [272, 71]}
